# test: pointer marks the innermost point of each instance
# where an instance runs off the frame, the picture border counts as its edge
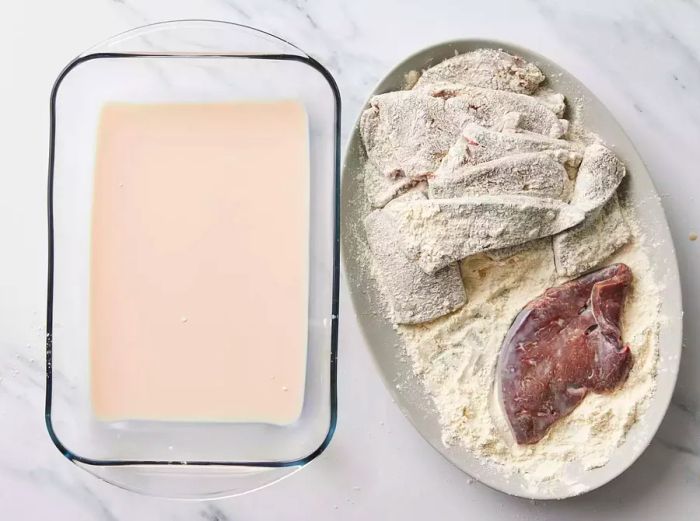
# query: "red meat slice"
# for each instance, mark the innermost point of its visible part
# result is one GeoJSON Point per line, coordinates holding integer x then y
{"type": "Point", "coordinates": [562, 345]}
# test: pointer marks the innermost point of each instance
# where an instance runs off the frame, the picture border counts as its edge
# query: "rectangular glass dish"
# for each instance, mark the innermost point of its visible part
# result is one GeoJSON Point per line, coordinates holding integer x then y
{"type": "Point", "coordinates": [184, 62]}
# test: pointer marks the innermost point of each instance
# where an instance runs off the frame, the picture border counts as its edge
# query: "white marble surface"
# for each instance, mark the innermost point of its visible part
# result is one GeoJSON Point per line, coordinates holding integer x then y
{"type": "Point", "coordinates": [641, 58]}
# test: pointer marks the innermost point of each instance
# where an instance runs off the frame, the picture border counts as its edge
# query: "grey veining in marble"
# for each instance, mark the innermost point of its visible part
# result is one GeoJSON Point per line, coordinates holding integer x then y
{"type": "Point", "coordinates": [642, 58]}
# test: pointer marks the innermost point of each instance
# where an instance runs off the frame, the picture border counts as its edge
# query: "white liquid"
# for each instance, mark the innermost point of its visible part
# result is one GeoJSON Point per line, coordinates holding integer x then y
{"type": "Point", "coordinates": [199, 268]}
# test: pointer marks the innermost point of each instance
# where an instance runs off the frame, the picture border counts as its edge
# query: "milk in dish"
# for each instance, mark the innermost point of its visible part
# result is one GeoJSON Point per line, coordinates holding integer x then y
{"type": "Point", "coordinates": [199, 262]}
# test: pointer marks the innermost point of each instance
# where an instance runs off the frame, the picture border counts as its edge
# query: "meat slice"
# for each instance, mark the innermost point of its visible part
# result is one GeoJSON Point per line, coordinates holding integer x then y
{"type": "Point", "coordinates": [501, 254]}
{"type": "Point", "coordinates": [489, 107]}
{"type": "Point", "coordinates": [562, 345]}
{"type": "Point", "coordinates": [538, 174]}
{"type": "Point", "coordinates": [587, 245]}
{"type": "Point", "coordinates": [437, 232]}
{"type": "Point", "coordinates": [414, 296]}
{"type": "Point", "coordinates": [554, 100]}
{"type": "Point", "coordinates": [479, 144]}
{"type": "Point", "coordinates": [407, 133]}
{"type": "Point", "coordinates": [381, 189]}
{"type": "Point", "coordinates": [599, 175]}
{"type": "Point", "coordinates": [486, 68]}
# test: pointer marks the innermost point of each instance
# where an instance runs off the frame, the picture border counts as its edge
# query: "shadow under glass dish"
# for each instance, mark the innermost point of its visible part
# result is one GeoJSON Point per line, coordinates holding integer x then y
{"type": "Point", "coordinates": [394, 367]}
{"type": "Point", "coordinates": [185, 62]}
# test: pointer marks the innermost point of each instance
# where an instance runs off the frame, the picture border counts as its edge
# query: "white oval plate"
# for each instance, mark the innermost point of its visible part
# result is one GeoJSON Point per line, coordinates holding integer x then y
{"type": "Point", "coordinates": [382, 339]}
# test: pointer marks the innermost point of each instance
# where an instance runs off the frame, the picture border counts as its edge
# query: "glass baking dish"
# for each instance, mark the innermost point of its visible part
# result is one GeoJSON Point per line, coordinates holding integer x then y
{"type": "Point", "coordinates": [184, 61]}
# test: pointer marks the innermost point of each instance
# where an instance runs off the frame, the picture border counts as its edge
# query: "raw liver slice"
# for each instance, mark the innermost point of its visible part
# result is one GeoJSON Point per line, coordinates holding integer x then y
{"type": "Point", "coordinates": [437, 232]}
{"type": "Point", "coordinates": [414, 295]}
{"type": "Point", "coordinates": [562, 345]}
{"type": "Point", "coordinates": [478, 144]}
{"type": "Point", "coordinates": [407, 133]}
{"type": "Point", "coordinates": [599, 175]}
{"type": "Point", "coordinates": [490, 68]}
{"type": "Point", "coordinates": [586, 245]}
{"type": "Point", "coordinates": [490, 107]}
{"type": "Point", "coordinates": [536, 174]}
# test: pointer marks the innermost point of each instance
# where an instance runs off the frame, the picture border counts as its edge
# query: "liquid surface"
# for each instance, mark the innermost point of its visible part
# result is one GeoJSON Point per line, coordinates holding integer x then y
{"type": "Point", "coordinates": [199, 268]}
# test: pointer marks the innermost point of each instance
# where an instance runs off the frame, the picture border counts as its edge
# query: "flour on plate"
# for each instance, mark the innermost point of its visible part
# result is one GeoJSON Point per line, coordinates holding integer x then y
{"type": "Point", "coordinates": [455, 358]}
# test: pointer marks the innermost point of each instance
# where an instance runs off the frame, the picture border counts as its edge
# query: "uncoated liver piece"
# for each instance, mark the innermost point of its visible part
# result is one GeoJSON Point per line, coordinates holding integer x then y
{"type": "Point", "coordinates": [587, 245]}
{"type": "Point", "coordinates": [562, 345]}
{"type": "Point", "coordinates": [438, 232]}
{"type": "Point", "coordinates": [414, 296]}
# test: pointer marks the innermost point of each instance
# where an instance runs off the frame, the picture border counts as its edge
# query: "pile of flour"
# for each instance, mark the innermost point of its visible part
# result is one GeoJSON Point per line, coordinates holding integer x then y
{"type": "Point", "coordinates": [455, 358]}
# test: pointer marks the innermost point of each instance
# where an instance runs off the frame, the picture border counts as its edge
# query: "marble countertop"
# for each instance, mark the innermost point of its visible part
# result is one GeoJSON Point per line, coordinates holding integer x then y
{"type": "Point", "coordinates": [642, 58]}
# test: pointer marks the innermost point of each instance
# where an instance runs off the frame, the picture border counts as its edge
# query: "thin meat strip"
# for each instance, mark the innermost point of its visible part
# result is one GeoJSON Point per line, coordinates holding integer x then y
{"type": "Point", "coordinates": [478, 144]}
{"type": "Point", "coordinates": [490, 106]}
{"type": "Point", "coordinates": [490, 68]}
{"type": "Point", "coordinates": [599, 175]}
{"type": "Point", "coordinates": [588, 244]}
{"type": "Point", "coordinates": [437, 232]}
{"type": "Point", "coordinates": [414, 295]}
{"type": "Point", "coordinates": [501, 254]}
{"type": "Point", "coordinates": [539, 174]}
{"type": "Point", "coordinates": [407, 133]}
{"type": "Point", "coordinates": [562, 345]}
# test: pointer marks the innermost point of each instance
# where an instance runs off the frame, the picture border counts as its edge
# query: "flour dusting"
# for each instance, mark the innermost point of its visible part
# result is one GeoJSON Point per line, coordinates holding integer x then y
{"type": "Point", "coordinates": [456, 359]}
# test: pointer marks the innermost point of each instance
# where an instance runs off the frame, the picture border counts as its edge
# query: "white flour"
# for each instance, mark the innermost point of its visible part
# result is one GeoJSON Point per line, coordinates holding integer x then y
{"type": "Point", "coordinates": [456, 357]}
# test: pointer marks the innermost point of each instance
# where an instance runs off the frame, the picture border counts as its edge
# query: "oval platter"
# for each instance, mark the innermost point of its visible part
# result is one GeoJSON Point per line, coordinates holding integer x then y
{"type": "Point", "coordinates": [383, 341]}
